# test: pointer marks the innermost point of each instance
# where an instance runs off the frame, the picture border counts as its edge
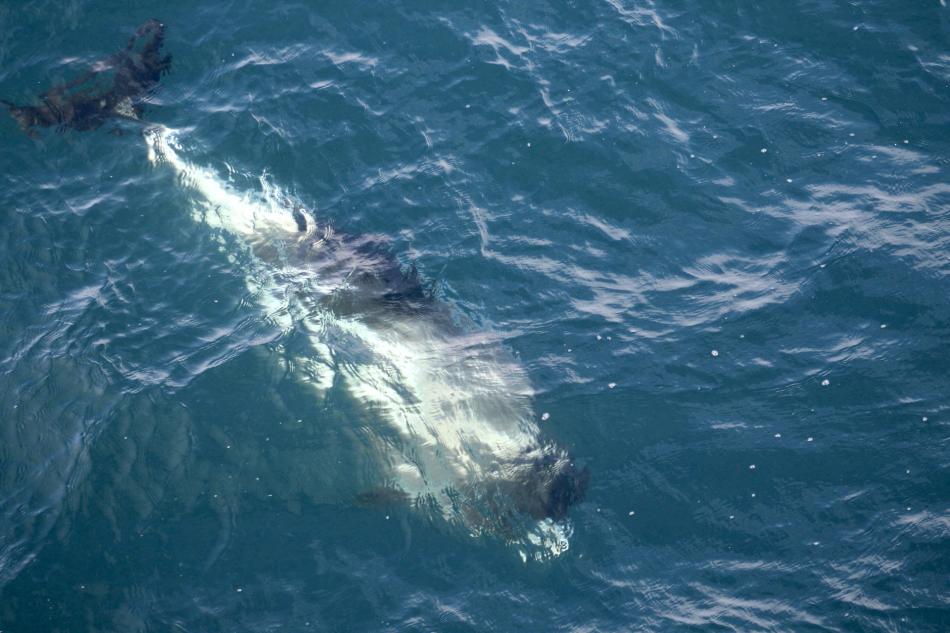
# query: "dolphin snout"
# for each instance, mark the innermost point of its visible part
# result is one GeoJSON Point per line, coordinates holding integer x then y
{"type": "Point", "coordinates": [549, 486]}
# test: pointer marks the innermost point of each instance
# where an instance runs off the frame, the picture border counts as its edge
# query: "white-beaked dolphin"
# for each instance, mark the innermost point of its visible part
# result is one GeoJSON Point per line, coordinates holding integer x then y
{"type": "Point", "coordinates": [458, 401]}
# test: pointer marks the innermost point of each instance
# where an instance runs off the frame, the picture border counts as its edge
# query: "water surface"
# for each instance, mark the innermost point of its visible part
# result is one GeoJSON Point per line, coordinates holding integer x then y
{"type": "Point", "coordinates": [714, 235]}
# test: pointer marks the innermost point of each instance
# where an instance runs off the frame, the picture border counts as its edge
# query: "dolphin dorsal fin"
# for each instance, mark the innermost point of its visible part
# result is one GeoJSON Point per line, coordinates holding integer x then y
{"type": "Point", "coordinates": [300, 219]}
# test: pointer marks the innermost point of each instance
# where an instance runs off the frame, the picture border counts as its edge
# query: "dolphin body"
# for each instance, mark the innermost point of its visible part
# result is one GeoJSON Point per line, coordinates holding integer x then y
{"type": "Point", "coordinates": [466, 442]}
{"type": "Point", "coordinates": [113, 89]}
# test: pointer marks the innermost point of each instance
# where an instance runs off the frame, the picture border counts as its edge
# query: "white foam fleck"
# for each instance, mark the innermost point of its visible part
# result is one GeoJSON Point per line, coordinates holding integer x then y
{"type": "Point", "coordinates": [672, 128]}
{"type": "Point", "coordinates": [339, 59]}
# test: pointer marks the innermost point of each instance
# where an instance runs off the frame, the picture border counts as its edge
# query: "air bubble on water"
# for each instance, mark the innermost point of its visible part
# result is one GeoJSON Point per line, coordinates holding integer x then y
{"type": "Point", "coordinates": [732, 516]}
{"type": "Point", "coordinates": [824, 98]}
{"type": "Point", "coordinates": [778, 435]}
{"type": "Point", "coordinates": [788, 180]}
{"type": "Point", "coordinates": [825, 382]}
{"type": "Point", "coordinates": [599, 337]}
{"type": "Point", "coordinates": [883, 326]}
{"type": "Point", "coordinates": [906, 141]}
{"type": "Point", "coordinates": [815, 543]}
{"type": "Point", "coordinates": [851, 134]}
{"type": "Point", "coordinates": [810, 439]}
{"type": "Point", "coordinates": [631, 513]}
{"type": "Point", "coordinates": [763, 150]}
{"type": "Point", "coordinates": [821, 265]}
{"type": "Point", "coordinates": [923, 419]}
{"type": "Point", "coordinates": [753, 495]}
{"type": "Point", "coordinates": [611, 385]}
{"type": "Point", "coordinates": [529, 143]}
{"type": "Point", "coordinates": [545, 416]}
{"type": "Point", "coordinates": [751, 466]}
{"type": "Point", "coordinates": [715, 352]}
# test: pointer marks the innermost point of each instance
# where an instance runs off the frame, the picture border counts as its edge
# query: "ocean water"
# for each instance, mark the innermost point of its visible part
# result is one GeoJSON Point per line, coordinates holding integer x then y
{"type": "Point", "coordinates": [711, 236]}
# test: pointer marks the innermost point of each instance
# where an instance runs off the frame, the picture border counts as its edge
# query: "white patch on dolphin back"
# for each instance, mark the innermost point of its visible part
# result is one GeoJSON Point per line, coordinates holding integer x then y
{"type": "Point", "coordinates": [126, 108]}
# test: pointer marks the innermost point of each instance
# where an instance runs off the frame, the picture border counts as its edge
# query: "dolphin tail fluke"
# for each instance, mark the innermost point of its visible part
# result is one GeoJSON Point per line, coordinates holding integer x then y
{"type": "Point", "coordinates": [24, 115]}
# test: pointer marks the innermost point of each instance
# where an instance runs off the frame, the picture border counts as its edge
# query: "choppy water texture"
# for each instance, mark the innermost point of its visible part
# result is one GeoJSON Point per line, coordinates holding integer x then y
{"type": "Point", "coordinates": [714, 235]}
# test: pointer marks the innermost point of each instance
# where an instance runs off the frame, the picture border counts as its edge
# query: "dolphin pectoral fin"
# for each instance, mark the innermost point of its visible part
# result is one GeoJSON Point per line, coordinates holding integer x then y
{"type": "Point", "coordinates": [382, 497]}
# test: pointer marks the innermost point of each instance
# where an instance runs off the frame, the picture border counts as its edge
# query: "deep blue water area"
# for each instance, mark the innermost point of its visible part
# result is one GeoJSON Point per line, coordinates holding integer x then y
{"type": "Point", "coordinates": [713, 234]}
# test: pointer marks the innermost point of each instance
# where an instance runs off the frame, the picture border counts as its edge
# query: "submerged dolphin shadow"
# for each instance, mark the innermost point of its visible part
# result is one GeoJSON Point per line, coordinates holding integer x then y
{"type": "Point", "coordinates": [114, 89]}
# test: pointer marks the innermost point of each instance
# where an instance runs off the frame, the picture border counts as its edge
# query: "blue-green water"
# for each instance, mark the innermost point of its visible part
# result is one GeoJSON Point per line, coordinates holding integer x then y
{"type": "Point", "coordinates": [714, 235]}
